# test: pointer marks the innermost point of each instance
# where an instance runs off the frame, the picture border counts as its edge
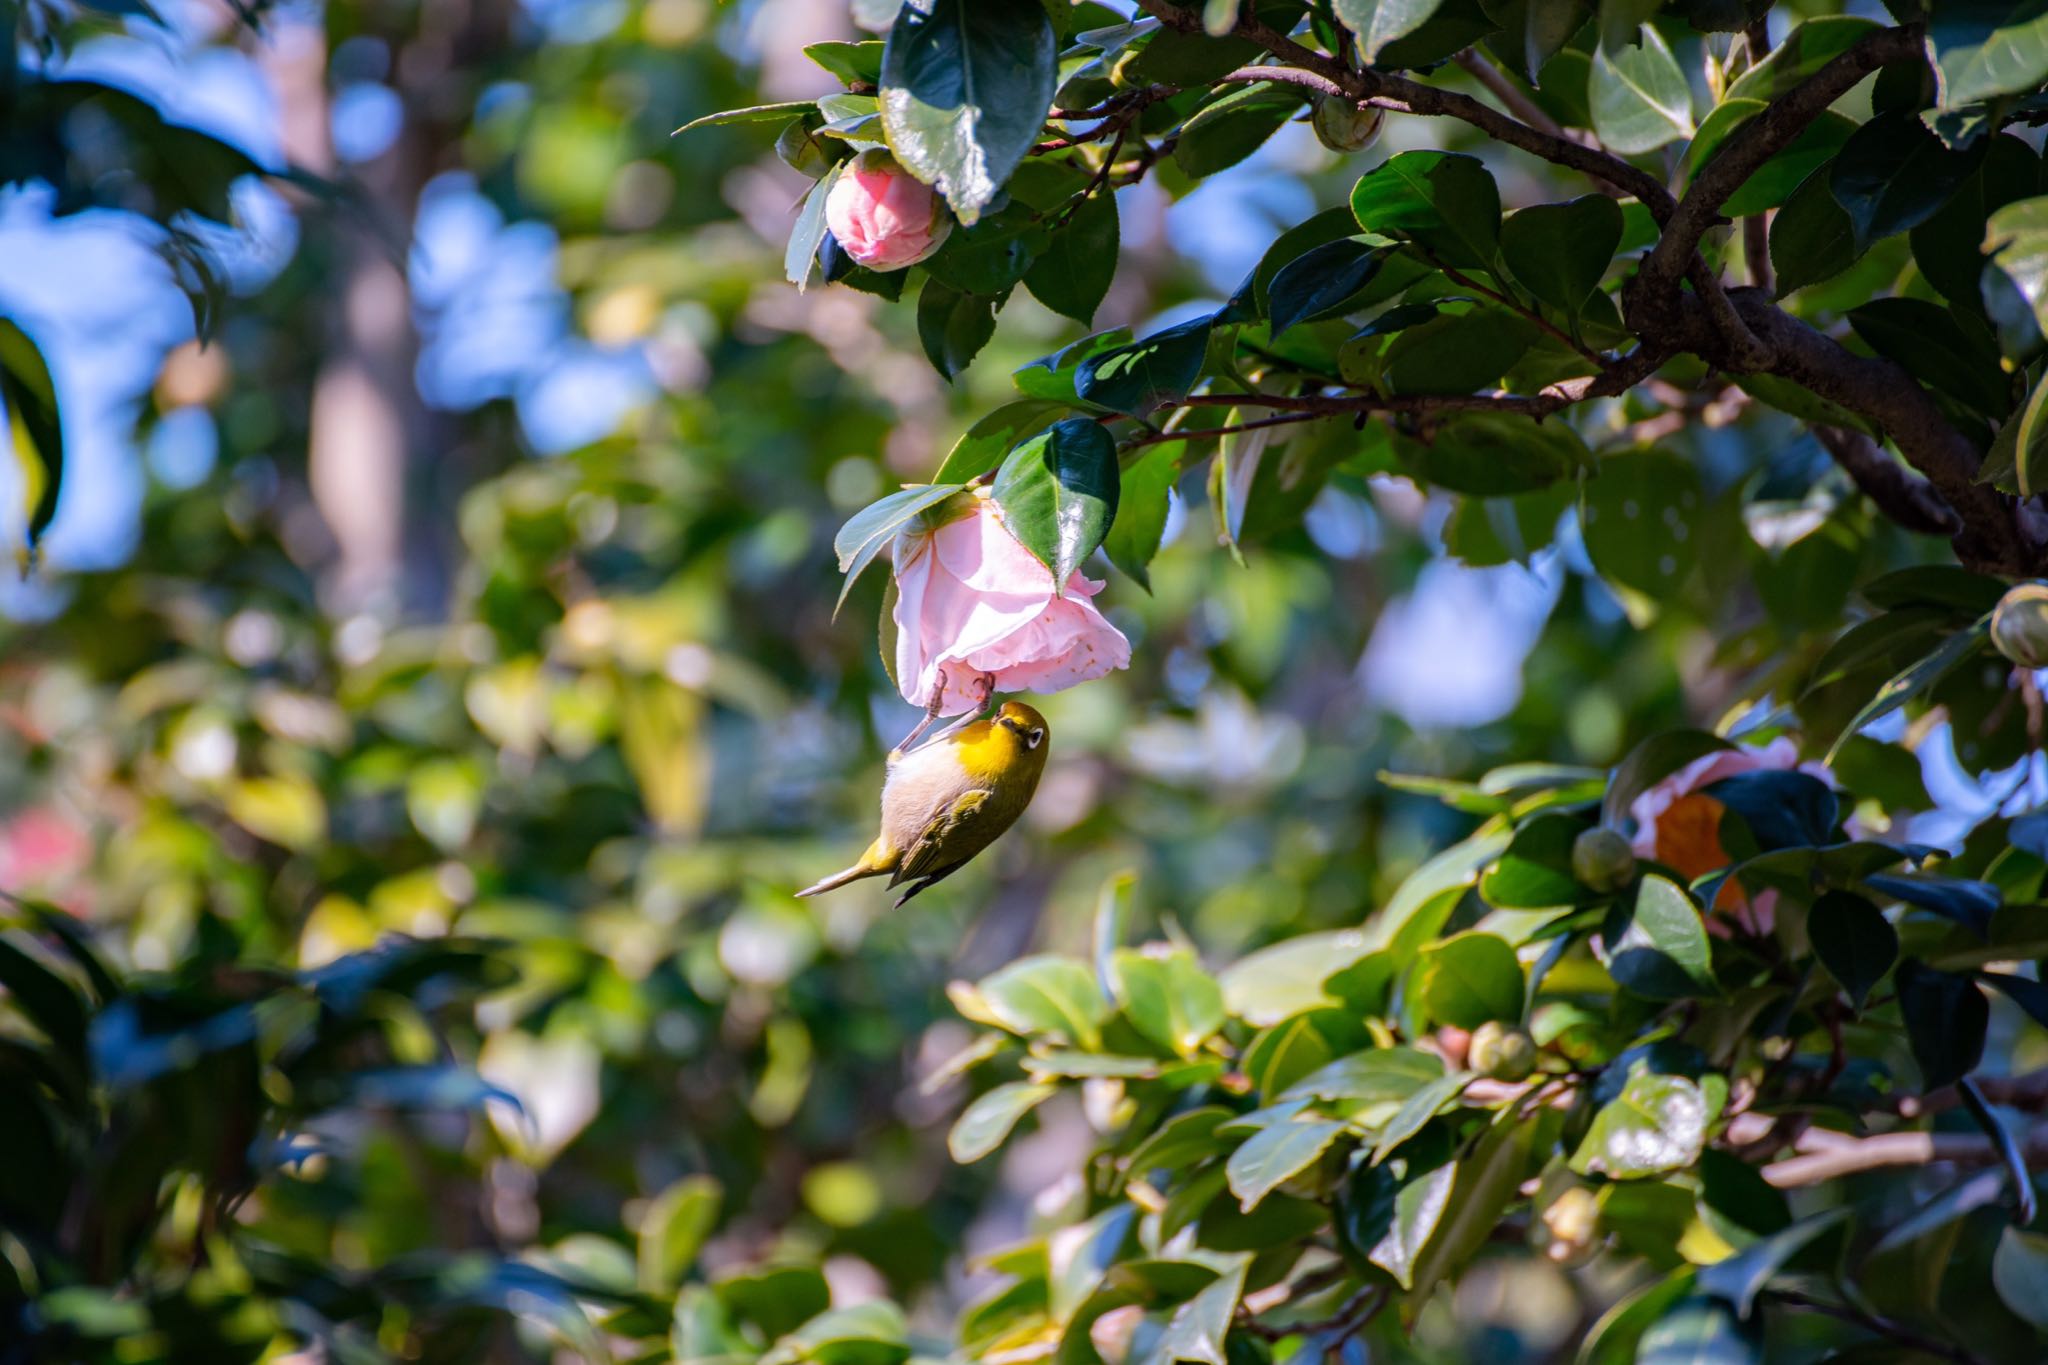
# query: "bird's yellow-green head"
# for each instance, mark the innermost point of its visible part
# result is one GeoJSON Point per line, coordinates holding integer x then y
{"type": "Point", "coordinates": [1008, 746]}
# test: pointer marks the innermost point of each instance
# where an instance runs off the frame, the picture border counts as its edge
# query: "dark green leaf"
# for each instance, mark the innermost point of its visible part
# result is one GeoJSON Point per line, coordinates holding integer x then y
{"type": "Point", "coordinates": [1936, 348]}
{"type": "Point", "coordinates": [1470, 351]}
{"type": "Point", "coordinates": [1738, 1279]}
{"type": "Point", "coordinates": [1058, 492]}
{"type": "Point", "coordinates": [1471, 978]}
{"type": "Point", "coordinates": [1969, 903]}
{"type": "Point", "coordinates": [1946, 1017]}
{"type": "Point", "coordinates": [1379, 22]}
{"type": "Point", "coordinates": [1911, 682]}
{"type": "Point", "coordinates": [1640, 97]}
{"type": "Point", "coordinates": [1381, 1074]}
{"type": "Point", "coordinates": [965, 88]}
{"type": "Point", "coordinates": [1657, 1123]}
{"type": "Point", "coordinates": [1231, 128]}
{"type": "Point", "coordinates": [1640, 520]}
{"type": "Point", "coordinates": [1074, 271]}
{"type": "Point", "coordinates": [982, 446]}
{"type": "Point", "coordinates": [1385, 1217]}
{"type": "Point", "coordinates": [1986, 48]}
{"type": "Point", "coordinates": [36, 434]}
{"type": "Point", "coordinates": [1560, 251]}
{"type": "Point", "coordinates": [1444, 202]}
{"type": "Point", "coordinates": [1853, 940]}
{"type": "Point", "coordinates": [1494, 455]}
{"type": "Point", "coordinates": [953, 326]}
{"type": "Point", "coordinates": [1417, 1110]}
{"type": "Point", "coordinates": [1812, 237]}
{"type": "Point", "coordinates": [1894, 174]}
{"type": "Point", "coordinates": [1536, 871]}
{"type": "Point", "coordinates": [2019, 1271]}
{"type": "Point", "coordinates": [1700, 1331]}
{"type": "Point", "coordinates": [1145, 374]}
{"type": "Point", "coordinates": [854, 63]}
{"type": "Point", "coordinates": [1657, 945]}
{"type": "Point", "coordinates": [1320, 281]}
{"type": "Point", "coordinates": [1783, 809]}
{"type": "Point", "coordinates": [1800, 55]}
{"type": "Point", "coordinates": [1142, 506]}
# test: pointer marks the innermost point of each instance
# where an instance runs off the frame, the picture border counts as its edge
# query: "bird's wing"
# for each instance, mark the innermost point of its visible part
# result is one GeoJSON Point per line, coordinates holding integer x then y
{"type": "Point", "coordinates": [947, 839]}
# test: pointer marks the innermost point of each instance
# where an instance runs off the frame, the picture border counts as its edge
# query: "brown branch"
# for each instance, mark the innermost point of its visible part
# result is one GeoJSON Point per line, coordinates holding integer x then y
{"type": "Point", "coordinates": [2028, 1092]}
{"type": "Point", "coordinates": [1824, 1155]}
{"type": "Point", "coordinates": [1879, 1326]}
{"type": "Point", "coordinates": [1760, 139]}
{"type": "Point", "coordinates": [1905, 499]}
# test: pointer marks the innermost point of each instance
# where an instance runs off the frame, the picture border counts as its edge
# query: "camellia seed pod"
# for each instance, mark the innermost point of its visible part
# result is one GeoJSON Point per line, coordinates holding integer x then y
{"type": "Point", "coordinates": [2019, 625]}
{"type": "Point", "coordinates": [1602, 861]}
{"type": "Point", "coordinates": [1344, 127]}
{"type": "Point", "coordinates": [1504, 1053]}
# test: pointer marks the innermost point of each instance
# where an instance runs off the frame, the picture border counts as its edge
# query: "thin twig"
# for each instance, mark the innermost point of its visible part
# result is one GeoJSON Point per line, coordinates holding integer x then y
{"type": "Point", "coordinates": [1826, 1155]}
{"type": "Point", "coordinates": [1884, 1327]}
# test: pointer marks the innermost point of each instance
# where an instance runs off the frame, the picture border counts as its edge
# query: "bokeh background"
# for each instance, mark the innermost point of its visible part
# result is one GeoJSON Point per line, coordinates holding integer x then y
{"type": "Point", "coordinates": [474, 580]}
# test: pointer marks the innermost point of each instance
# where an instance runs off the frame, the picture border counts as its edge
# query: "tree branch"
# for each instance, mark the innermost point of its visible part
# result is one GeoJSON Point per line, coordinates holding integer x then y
{"type": "Point", "coordinates": [1824, 1155]}
{"type": "Point", "coordinates": [1906, 500]}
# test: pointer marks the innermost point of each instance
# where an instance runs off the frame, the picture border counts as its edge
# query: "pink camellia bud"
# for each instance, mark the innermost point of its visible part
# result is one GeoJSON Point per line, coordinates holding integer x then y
{"type": "Point", "coordinates": [882, 215]}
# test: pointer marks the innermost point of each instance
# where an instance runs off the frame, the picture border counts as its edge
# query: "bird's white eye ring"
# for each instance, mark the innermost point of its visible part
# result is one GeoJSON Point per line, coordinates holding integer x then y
{"type": "Point", "coordinates": [1035, 738]}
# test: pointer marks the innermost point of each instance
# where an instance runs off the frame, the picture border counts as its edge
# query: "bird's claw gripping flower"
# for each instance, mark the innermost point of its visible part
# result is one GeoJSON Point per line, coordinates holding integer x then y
{"type": "Point", "coordinates": [977, 613]}
{"type": "Point", "coordinates": [882, 216]}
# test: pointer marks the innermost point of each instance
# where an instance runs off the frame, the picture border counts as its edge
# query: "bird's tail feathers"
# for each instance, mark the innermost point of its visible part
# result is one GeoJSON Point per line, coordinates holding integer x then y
{"type": "Point", "coordinates": [870, 865]}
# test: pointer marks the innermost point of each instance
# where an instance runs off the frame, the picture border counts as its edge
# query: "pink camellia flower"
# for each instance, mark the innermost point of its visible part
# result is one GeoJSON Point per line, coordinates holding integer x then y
{"type": "Point", "coordinates": [882, 215]}
{"type": "Point", "coordinates": [1679, 825]}
{"type": "Point", "coordinates": [39, 848]}
{"type": "Point", "coordinates": [976, 613]}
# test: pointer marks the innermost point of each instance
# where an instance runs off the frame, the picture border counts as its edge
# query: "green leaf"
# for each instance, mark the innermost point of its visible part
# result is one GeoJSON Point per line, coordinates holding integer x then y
{"type": "Point", "coordinates": [1657, 1123]}
{"type": "Point", "coordinates": [1946, 1017]}
{"type": "Point", "coordinates": [1381, 1074]}
{"type": "Point", "coordinates": [1047, 995]}
{"type": "Point", "coordinates": [1056, 376]}
{"type": "Point", "coordinates": [1328, 226]}
{"type": "Point", "coordinates": [1772, 183]}
{"type": "Point", "coordinates": [1853, 940]}
{"type": "Point", "coordinates": [1948, 247]}
{"type": "Point", "coordinates": [1465, 352]}
{"type": "Point", "coordinates": [854, 63]}
{"type": "Point", "coordinates": [1276, 983]}
{"type": "Point", "coordinates": [966, 85]}
{"type": "Point", "coordinates": [1182, 1141]}
{"type": "Point", "coordinates": [1145, 374]}
{"type": "Point", "coordinates": [1320, 281]}
{"type": "Point", "coordinates": [2015, 283]}
{"type": "Point", "coordinates": [1812, 237]}
{"type": "Point", "coordinates": [778, 1299]}
{"type": "Point", "coordinates": [1470, 978]}
{"type": "Point", "coordinates": [982, 446]}
{"type": "Point", "coordinates": [1167, 997]}
{"type": "Point", "coordinates": [673, 1229]}
{"type": "Point", "coordinates": [36, 432]}
{"type": "Point", "coordinates": [1444, 202]}
{"type": "Point", "coordinates": [867, 531]}
{"type": "Point", "coordinates": [1639, 95]}
{"type": "Point", "coordinates": [1284, 1054]}
{"type": "Point", "coordinates": [1810, 46]}
{"type": "Point", "coordinates": [1738, 1279]}
{"type": "Point", "coordinates": [1560, 251]}
{"type": "Point", "coordinates": [1058, 493]}
{"type": "Point", "coordinates": [1911, 682]}
{"type": "Point", "coordinates": [990, 257]}
{"type": "Point", "coordinates": [1640, 517]}
{"type": "Point", "coordinates": [870, 1333]}
{"type": "Point", "coordinates": [1934, 346]}
{"type": "Point", "coordinates": [1276, 1154]}
{"type": "Point", "coordinates": [988, 1121]}
{"type": "Point", "coordinates": [1699, 1331]}
{"type": "Point", "coordinates": [1986, 48]}
{"type": "Point", "coordinates": [1386, 1218]}
{"type": "Point", "coordinates": [1379, 22]}
{"type": "Point", "coordinates": [2019, 1271]}
{"type": "Point", "coordinates": [1227, 130]}
{"type": "Point", "coordinates": [1075, 269]}
{"type": "Point", "coordinates": [1486, 1184]}
{"type": "Point", "coordinates": [1417, 1110]}
{"type": "Point", "coordinates": [1198, 1327]}
{"type": "Point", "coordinates": [1894, 174]}
{"type": "Point", "coordinates": [1536, 871]}
{"type": "Point", "coordinates": [800, 257]}
{"type": "Point", "coordinates": [1613, 1338]}
{"type": "Point", "coordinates": [1142, 506]}
{"type": "Point", "coordinates": [953, 326]}
{"type": "Point", "coordinates": [1488, 454]}
{"type": "Point", "coordinates": [754, 113]}
{"type": "Point", "coordinates": [1657, 946]}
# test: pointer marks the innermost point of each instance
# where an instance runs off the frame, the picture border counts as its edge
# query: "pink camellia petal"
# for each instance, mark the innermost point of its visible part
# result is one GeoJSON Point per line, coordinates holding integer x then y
{"type": "Point", "coordinates": [882, 216]}
{"type": "Point", "coordinates": [975, 612]}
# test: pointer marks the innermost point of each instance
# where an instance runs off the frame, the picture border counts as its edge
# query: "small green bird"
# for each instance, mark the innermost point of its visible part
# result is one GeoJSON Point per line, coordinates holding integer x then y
{"type": "Point", "coordinates": [947, 801]}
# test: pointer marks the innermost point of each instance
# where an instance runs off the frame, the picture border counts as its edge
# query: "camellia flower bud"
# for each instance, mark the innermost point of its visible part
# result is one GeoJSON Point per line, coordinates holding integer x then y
{"type": "Point", "coordinates": [2019, 625]}
{"type": "Point", "coordinates": [1506, 1054]}
{"type": "Point", "coordinates": [1572, 1220]}
{"type": "Point", "coordinates": [882, 215]}
{"type": "Point", "coordinates": [1344, 127]}
{"type": "Point", "coordinates": [1602, 861]}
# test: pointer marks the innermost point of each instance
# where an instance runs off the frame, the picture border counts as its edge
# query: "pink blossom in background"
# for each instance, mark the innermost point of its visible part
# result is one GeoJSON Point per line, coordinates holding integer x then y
{"type": "Point", "coordinates": [976, 613]}
{"type": "Point", "coordinates": [40, 847]}
{"type": "Point", "coordinates": [882, 215]}
{"type": "Point", "coordinates": [1678, 825]}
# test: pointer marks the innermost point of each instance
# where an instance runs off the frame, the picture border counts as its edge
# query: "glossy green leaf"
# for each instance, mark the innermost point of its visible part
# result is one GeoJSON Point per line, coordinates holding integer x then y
{"type": "Point", "coordinates": [1559, 252]}
{"type": "Point", "coordinates": [36, 434]}
{"type": "Point", "coordinates": [1812, 237]}
{"type": "Point", "coordinates": [1536, 871]}
{"type": "Point", "coordinates": [1386, 1218]}
{"type": "Point", "coordinates": [1853, 940]}
{"type": "Point", "coordinates": [983, 1126]}
{"type": "Point", "coordinates": [1738, 1279]}
{"type": "Point", "coordinates": [1168, 997]}
{"type": "Point", "coordinates": [1141, 376]}
{"type": "Point", "coordinates": [1493, 454]}
{"type": "Point", "coordinates": [1640, 97]}
{"type": "Point", "coordinates": [1657, 945]}
{"type": "Point", "coordinates": [1640, 518]}
{"type": "Point", "coordinates": [1320, 281]}
{"type": "Point", "coordinates": [984, 444]}
{"type": "Point", "coordinates": [1700, 1331]}
{"type": "Point", "coordinates": [869, 1333]}
{"type": "Point", "coordinates": [854, 63]}
{"type": "Point", "coordinates": [1232, 127]}
{"type": "Point", "coordinates": [1986, 48]}
{"type": "Point", "coordinates": [755, 113]}
{"type": "Point", "coordinates": [1657, 1123]}
{"type": "Point", "coordinates": [1444, 202]}
{"type": "Point", "coordinates": [1047, 995]}
{"type": "Point", "coordinates": [1381, 1074]}
{"type": "Point", "coordinates": [869, 530]}
{"type": "Point", "coordinates": [1276, 1154]}
{"type": "Point", "coordinates": [1379, 22]}
{"type": "Point", "coordinates": [1937, 349]}
{"type": "Point", "coordinates": [1892, 175]}
{"type": "Point", "coordinates": [1417, 1110]}
{"type": "Point", "coordinates": [953, 326]}
{"type": "Point", "coordinates": [1911, 682]}
{"type": "Point", "coordinates": [1198, 1327]}
{"type": "Point", "coordinates": [1797, 57]}
{"type": "Point", "coordinates": [800, 257]}
{"type": "Point", "coordinates": [1058, 493]}
{"type": "Point", "coordinates": [1142, 506]}
{"type": "Point", "coordinates": [2015, 282]}
{"type": "Point", "coordinates": [1946, 1017]}
{"type": "Point", "coordinates": [1074, 271]}
{"type": "Point", "coordinates": [2019, 1271]}
{"type": "Point", "coordinates": [1470, 978]}
{"type": "Point", "coordinates": [673, 1229]}
{"type": "Point", "coordinates": [965, 88]}
{"type": "Point", "coordinates": [1488, 1179]}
